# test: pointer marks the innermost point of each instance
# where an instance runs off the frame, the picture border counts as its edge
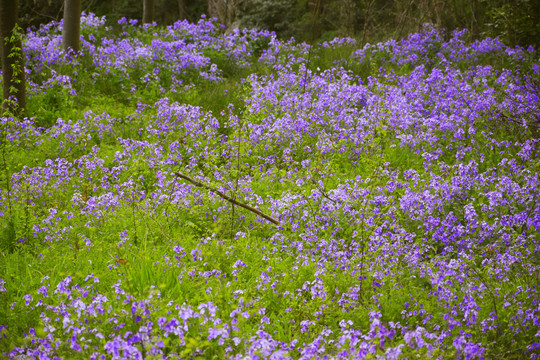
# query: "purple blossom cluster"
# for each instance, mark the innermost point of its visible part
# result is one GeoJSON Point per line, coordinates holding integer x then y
{"type": "Point", "coordinates": [120, 326]}
{"type": "Point", "coordinates": [172, 57]}
{"type": "Point", "coordinates": [433, 47]}
{"type": "Point", "coordinates": [408, 201]}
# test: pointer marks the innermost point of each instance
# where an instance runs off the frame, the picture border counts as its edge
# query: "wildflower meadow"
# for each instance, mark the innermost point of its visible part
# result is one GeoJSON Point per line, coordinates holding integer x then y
{"type": "Point", "coordinates": [390, 192]}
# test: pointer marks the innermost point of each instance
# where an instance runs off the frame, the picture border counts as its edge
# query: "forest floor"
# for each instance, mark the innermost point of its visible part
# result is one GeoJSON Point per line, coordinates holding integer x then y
{"type": "Point", "coordinates": [402, 179]}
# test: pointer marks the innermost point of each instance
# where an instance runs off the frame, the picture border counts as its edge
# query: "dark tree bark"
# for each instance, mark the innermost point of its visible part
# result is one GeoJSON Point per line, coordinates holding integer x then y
{"type": "Point", "coordinates": [224, 10]}
{"type": "Point", "coordinates": [12, 66]}
{"type": "Point", "coordinates": [148, 11]}
{"type": "Point", "coordinates": [72, 25]}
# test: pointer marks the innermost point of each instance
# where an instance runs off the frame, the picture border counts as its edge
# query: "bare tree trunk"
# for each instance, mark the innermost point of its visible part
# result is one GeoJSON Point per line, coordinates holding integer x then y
{"type": "Point", "coordinates": [72, 25]}
{"type": "Point", "coordinates": [148, 11]}
{"type": "Point", "coordinates": [12, 59]}
{"type": "Point", "coordinates": [438, 8]}
{"type": "Point", "coordinates": [218, 9]}
{"type": "Point", "coordinates": [224, 10]}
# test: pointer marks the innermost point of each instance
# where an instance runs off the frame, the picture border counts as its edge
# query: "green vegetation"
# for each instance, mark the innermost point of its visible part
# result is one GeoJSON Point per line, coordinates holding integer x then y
{"type": "Point", "coordinates": [404, 176]}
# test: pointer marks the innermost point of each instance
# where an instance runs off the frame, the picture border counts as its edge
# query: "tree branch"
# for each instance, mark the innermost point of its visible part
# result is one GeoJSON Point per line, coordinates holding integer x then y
{"type": "Point", "coordinates": [229, 199]}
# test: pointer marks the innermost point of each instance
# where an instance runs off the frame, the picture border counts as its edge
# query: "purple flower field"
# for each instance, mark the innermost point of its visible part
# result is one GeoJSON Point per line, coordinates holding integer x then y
{"type": "Point", "coordinates": [404, 176]}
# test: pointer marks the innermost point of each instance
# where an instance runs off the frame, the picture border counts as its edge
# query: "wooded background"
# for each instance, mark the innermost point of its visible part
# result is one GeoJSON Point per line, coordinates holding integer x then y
{"type": "Point", "coordinates": [516, 22]}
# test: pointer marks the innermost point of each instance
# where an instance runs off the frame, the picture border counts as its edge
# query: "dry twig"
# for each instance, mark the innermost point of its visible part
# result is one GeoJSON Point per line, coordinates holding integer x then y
{"type": "Point", "coordinates": [229, 199]}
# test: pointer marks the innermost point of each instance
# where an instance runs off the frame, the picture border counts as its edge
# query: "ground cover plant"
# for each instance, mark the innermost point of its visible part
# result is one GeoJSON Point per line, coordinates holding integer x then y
{"type": "Point", "coordinates": [404, 176]}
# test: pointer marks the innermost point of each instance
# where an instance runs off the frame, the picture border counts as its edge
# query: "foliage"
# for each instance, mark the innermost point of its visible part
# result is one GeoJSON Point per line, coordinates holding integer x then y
{"type": "Point", "coordinates": [404, 176]}
{"type": "Point", "coordinates": [272, 15]}
{"type": "Point", "coordinates": [514, 21]}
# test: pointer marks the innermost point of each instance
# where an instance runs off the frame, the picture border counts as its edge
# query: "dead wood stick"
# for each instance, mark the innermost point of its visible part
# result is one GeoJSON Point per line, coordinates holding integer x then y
{"type": "Point", "coordinates": [229, 199]}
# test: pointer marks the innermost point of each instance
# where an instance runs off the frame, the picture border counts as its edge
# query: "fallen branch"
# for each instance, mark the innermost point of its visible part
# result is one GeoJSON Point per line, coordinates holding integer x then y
{"type": "Point", "coordinates": [229, 199]}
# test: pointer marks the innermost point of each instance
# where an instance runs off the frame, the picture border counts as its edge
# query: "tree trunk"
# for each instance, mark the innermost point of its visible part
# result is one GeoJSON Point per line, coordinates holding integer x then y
{"type": "Point", "coordinates": [12, 59]}
{"type": "Point", "coordinates": [148, 11]}
{"type": "Point", "coordinates": [72, 25]}
{"type": "Point", "coordinates": [438, 8]}
{"type": "Point", "coordinates": [225, 11]}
